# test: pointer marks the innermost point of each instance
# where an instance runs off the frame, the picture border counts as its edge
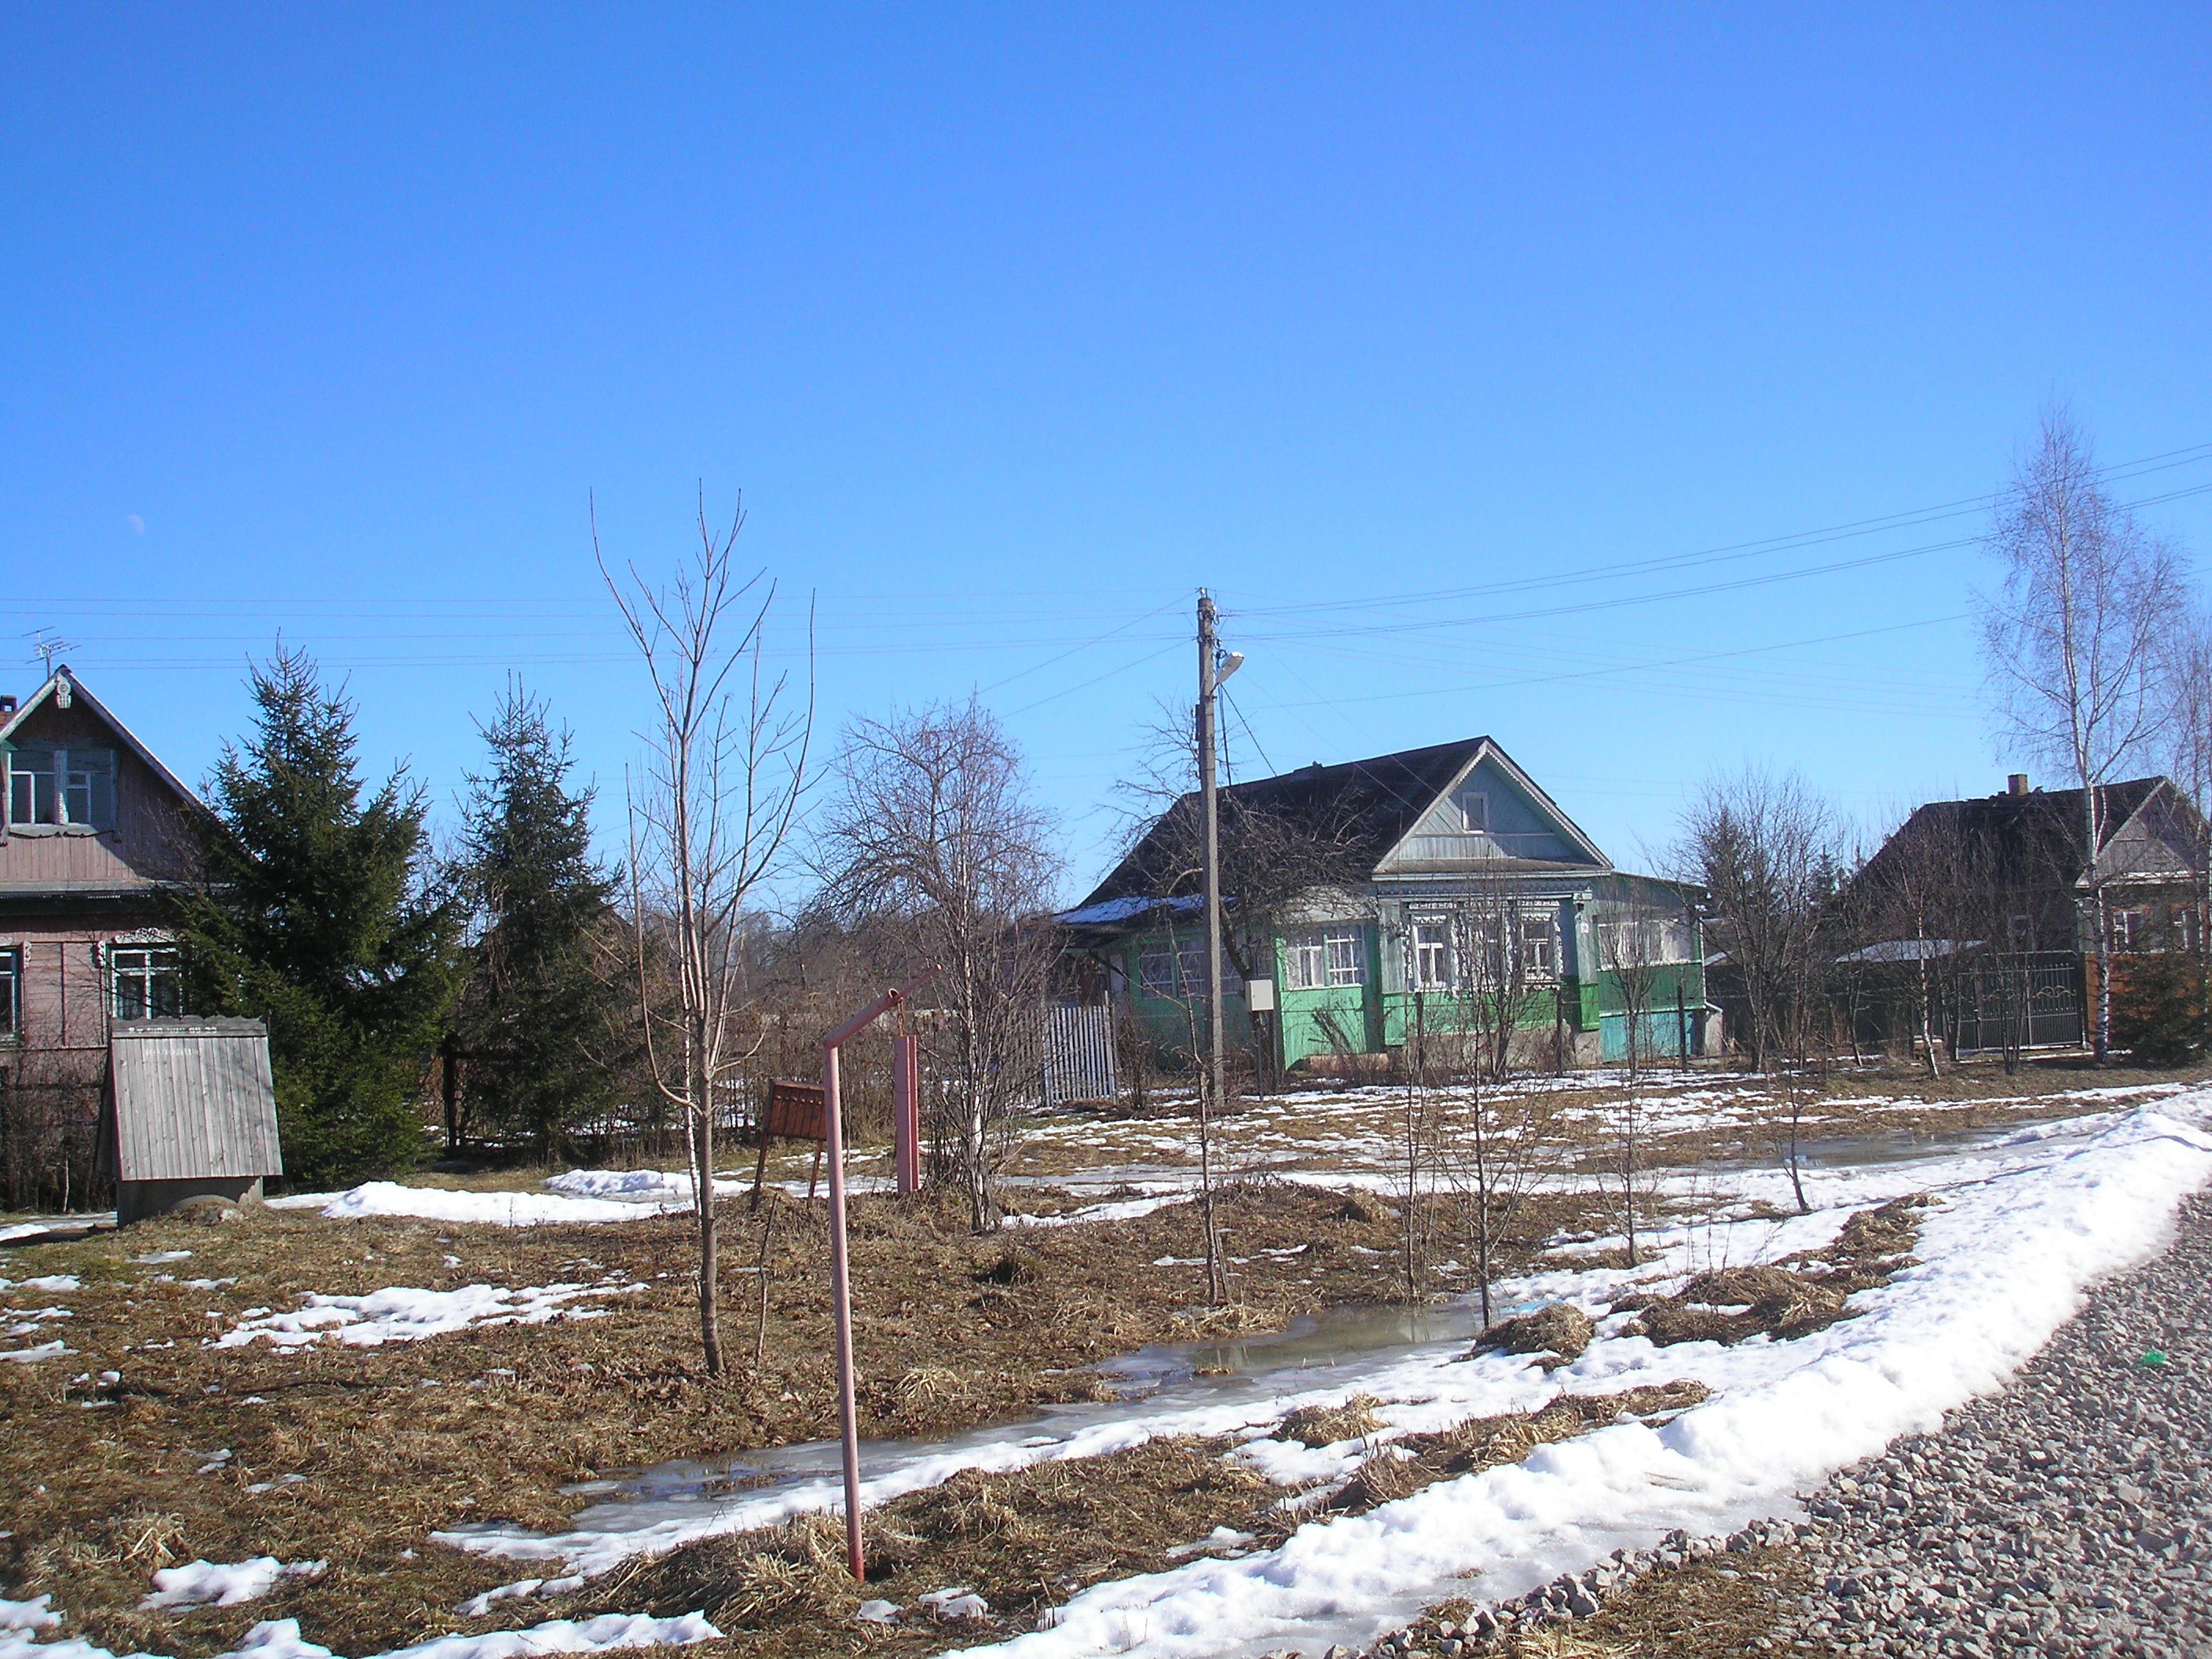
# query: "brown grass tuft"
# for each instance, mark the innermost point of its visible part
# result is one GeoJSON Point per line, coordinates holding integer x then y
{"type": "Point", "coordinates": [1560, 1328]}
{"type": "Point", "coordinates": [1327, 1425]}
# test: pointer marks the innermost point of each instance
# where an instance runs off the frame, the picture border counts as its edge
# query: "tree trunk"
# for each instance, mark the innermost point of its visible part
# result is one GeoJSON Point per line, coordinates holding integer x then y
{"type": "Point", "coordinates": [702, 1175]}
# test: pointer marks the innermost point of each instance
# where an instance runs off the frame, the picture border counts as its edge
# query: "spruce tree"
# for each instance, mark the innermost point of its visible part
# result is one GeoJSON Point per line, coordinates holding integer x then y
{"type": "Point", "coordinates": [316, 912]}
{"type": "Point", "coordinates": [537, 1014]}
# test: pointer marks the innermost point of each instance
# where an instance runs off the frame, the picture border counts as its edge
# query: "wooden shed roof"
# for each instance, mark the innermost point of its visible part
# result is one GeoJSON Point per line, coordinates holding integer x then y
{"type": "Point", "coordinates": [193, 1099]}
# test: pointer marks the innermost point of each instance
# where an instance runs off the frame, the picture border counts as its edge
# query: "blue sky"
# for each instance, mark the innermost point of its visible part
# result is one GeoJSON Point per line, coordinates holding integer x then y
{"type": "Point", "coordinates": [1404, 331]}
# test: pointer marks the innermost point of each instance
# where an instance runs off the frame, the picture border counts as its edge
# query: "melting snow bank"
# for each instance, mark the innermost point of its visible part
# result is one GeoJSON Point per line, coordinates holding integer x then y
{"type": "Point", "coordinates": [2005, 1261]}
{"type": "Point", "coordinates": [403, 1314]}
{"type": "Point", "coordinates": [280, 1638]}
{"type": "Point", "coordinates": [381, 1198]}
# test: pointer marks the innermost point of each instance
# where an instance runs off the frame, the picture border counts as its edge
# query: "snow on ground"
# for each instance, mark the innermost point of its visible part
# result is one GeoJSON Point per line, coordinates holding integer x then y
{"type": "Point", "coordinates": [403, 1314]}
{"type": "Point", "coordinates": [389, 1197]}
{"type": "Point", "coordinates": [2006, 1259]}
{"type": "Point", "coordinates": [280, 1638]}
{"type": "Point", "coordinates": [225, 1584]}
{"type": "Point", "coordinates": [2027, 1220]}
{"type": "Point", "coordinates": [669, 1188]}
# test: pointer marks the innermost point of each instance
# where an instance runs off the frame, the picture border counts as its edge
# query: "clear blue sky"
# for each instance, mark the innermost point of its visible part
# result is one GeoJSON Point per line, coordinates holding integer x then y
{"type": "Point", "coordinates": [1016, 327]}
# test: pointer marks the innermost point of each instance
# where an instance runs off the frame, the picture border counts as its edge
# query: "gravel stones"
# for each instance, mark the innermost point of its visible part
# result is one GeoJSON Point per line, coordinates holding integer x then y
{"type": "Point", "coordinates": [2069, 1514]}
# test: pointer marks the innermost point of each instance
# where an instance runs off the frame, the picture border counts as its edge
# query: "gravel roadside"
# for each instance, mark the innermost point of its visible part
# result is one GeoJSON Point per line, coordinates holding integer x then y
{"type": "Point", "coordinates": [2069, 1514]}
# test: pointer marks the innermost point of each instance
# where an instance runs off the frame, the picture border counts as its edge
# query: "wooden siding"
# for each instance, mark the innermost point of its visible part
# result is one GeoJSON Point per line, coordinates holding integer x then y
{"type": "Point", "coordinates": [150, 841]}
{"type": "Point", "coordinates": [193, 1099]}
{"type": "Point", "coordinates": [1520, 829]}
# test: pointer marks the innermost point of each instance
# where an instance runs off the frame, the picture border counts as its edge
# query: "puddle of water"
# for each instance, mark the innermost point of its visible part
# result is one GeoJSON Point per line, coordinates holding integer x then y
{"type": "Point", "coordinates": [1332, 1349]}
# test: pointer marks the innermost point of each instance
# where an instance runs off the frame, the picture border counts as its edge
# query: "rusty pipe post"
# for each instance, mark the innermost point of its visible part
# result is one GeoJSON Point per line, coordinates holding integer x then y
{"type": "Point", "coordinates": [841, 1278]}
{"type": "Point", "coordinates": [840, 1284]}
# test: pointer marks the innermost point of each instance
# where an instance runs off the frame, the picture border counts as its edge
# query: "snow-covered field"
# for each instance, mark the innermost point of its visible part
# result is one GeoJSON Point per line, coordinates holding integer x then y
{"type": "Point", "coordinates": [2025, 1223]}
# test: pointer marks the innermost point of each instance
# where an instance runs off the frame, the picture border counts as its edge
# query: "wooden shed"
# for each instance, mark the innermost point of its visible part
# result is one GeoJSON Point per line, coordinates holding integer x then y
{"type": "Point", "coordinates": [191, 1111]}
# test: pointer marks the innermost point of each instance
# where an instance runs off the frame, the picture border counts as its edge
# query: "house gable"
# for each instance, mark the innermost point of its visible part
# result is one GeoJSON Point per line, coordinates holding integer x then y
{"type": "Point", "coordinates": [126, 824]}
{"type": "Point", "coordinates": [1493, 815]}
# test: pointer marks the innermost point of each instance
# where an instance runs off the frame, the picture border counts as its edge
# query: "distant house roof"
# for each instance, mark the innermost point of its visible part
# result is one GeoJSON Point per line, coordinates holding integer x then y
{"type": "Point", "coordinates": [2035, 840]}
{"type": "Point", "coordinates": [1371, 805]}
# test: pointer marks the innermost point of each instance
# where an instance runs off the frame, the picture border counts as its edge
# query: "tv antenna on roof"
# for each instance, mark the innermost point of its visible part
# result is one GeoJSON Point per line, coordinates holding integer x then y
{"type": "Point", "coordinates": [45, 646]}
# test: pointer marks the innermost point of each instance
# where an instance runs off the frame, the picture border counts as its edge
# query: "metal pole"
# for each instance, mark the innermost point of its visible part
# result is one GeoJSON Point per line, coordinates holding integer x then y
{"type": "Point", "coordinates": [840, 1280]}
{"type": "Point", "coordinates": [905, 1111]}
{"type": "Point", "coordinates": [1211, 1094]}
{"type": "Point", "coordinates": [842, 1295]}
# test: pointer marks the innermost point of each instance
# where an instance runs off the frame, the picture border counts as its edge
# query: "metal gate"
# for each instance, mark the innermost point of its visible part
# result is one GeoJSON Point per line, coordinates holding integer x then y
{"type": "Point", "coordinates": [1077, 1061]}
{"type": "Point", "coordinates": [2029, 1000]}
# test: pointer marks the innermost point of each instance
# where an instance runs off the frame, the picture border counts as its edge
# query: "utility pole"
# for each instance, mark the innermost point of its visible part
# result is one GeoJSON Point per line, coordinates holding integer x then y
{"type": "Point", "coordinates": [1213, 668]}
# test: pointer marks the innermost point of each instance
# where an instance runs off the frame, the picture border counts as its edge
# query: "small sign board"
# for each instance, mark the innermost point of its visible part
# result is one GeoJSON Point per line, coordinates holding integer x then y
{"type": "Point", "coordinates": [794, 1112]}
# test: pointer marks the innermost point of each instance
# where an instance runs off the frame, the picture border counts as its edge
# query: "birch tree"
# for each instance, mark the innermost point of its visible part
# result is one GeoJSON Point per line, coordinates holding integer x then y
{"type": "Point", "coordinates": [2073, 641]}
{"type": "Point", "coordinates": [709, 817]}
{"type": "Point", "coordinates": [2189, 682]}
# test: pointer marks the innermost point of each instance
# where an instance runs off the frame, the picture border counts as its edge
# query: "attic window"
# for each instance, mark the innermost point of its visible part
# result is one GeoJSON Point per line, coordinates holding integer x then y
{"type": "Point", "coordinates": [1475, 812]}
{"type": "Point", "coordinates": [55, 787]}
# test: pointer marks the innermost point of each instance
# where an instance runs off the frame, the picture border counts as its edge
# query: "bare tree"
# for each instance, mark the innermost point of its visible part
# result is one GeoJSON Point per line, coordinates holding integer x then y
{"type": "Point", "coordinates": [2188, 675]}
{"type": "Point", "coordinates": [2073, 640]}
{"type": "Point", "coordinates": [1631, 941]}
{"type": "Point", "coordinates": [933, 832]}
{"type": "Point", "coordinates": [709, 819]}
{"type": "Point", "coordinates": [1275, 859]}
{"type": "Point", "coordinates": [1481, 965]}
{"type": "Point", "coordinates": [1764, 849]}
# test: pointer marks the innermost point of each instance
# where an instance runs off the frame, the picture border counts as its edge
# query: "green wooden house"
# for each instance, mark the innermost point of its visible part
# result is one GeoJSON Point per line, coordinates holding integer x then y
{"type": "Point", "coordinates": [1437, 896]}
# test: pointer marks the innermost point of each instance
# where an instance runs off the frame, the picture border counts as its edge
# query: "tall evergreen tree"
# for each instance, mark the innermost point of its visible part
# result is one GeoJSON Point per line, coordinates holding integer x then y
{"type": "Point", "coordinates": [316, 911]}
{"type": "Point", "coordinates": [537, 1015]}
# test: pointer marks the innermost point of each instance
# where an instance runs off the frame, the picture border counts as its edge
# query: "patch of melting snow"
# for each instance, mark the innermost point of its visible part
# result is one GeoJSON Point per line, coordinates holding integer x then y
{"type": "Point", "coordinates": [406, 1314]}
{"type": "Point", "coordinates": [389, 1198]}
{"type": "Point", "coordinates": [225, 1584]}
{"type": "Point", "coordinates": [30, 1356]}
{"type": "Point", "coordinates": [957, 1602]}
{"type": "Point", "coordinates": [280, 1638]}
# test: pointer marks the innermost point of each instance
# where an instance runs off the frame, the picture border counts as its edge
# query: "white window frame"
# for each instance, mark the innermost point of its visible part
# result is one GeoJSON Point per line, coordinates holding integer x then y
{"type": "Point", "coordinates": [1344, 947]}
{"type": "Point", "coordinates": [1430, 954]}
{"type": "Point", "coordinates": [1184, 961]}
{"type": "Point", "coordinates": [11, 992]}
{"type": "Point", "coordinates": [1305, 963]}
{"type": "Point", "coordinates": [1536, 937]}
{"type": "Point", "coordinates": [1474, 812]}
{"type": "Point", "coordinates": [150, 964]}
{"type": "Point", "coordinates": [92, 782]}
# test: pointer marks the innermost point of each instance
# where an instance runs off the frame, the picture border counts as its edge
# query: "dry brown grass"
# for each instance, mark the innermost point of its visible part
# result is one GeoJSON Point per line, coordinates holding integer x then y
{"type": "Point", "coordinates": [1560, 1328]}
{"type": "Point", "coordinates": [1728, 1304]}
{"type": "Point", "coordinates": [1327, 1425]}
{"type": "Point", "coordinates": [1715, 1609]}
{"type": "Point", "coordinates": [389, 1444]}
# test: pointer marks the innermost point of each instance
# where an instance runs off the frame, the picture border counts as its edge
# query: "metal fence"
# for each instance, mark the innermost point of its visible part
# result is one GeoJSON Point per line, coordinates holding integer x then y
{"type": "Point", "coordinates": [1072, 1061]}
{"type": "Point", "coordinates": [2023, 999]}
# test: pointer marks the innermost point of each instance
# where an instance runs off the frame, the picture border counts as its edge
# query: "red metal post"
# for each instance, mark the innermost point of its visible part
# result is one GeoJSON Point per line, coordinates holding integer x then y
{"type": "Point", "coordinates": [905, 1111]}
{"type": "Point", "coordinates": [840, 1280]}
